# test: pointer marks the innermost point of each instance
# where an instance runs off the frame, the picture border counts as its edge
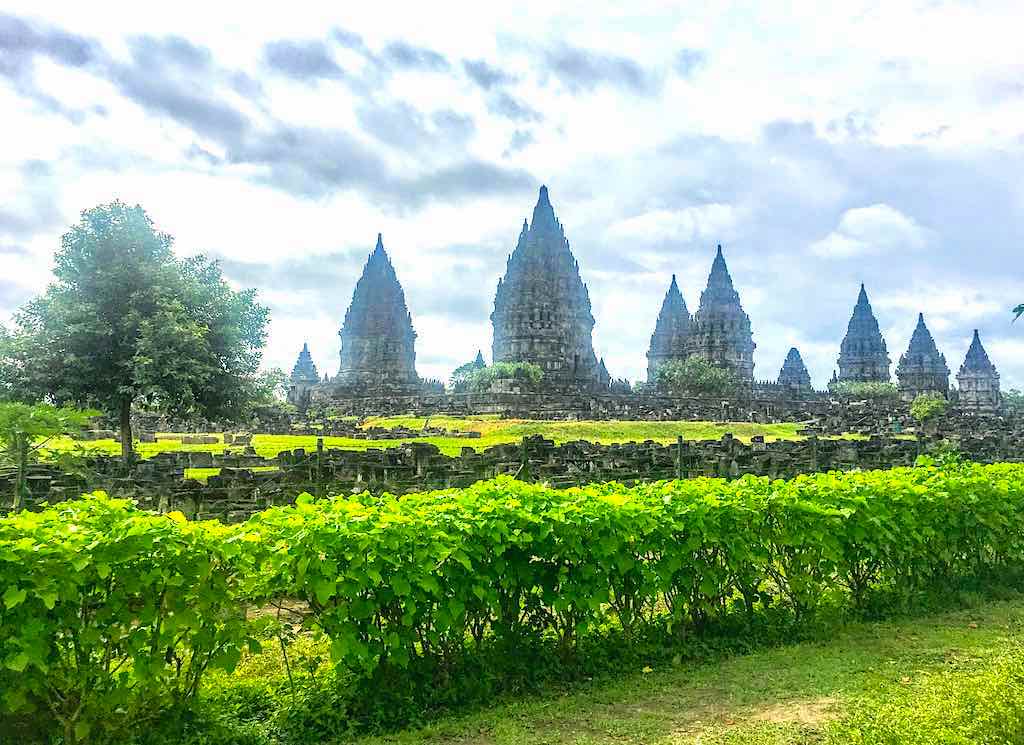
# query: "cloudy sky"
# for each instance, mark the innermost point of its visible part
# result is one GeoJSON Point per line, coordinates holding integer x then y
{"type": "Point", "coordinates": [880, 142]}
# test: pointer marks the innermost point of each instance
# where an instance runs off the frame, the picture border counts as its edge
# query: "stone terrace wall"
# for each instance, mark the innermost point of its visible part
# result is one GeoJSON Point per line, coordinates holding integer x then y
{"type": "Point", "coordinates": [237, 492]}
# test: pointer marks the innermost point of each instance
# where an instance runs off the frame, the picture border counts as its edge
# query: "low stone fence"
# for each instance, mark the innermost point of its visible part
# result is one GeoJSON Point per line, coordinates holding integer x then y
{"type": "Point", "coordinates": [239, 490]}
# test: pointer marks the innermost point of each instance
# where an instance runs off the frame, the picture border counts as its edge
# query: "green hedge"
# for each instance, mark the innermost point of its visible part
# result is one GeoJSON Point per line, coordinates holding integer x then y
{"type": "Point", "coordinates": [112, 615]}
{"type": "Point", "coordinates": [107, 608]}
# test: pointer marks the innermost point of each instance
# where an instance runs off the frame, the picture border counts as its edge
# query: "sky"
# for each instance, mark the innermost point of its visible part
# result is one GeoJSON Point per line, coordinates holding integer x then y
{"type": "Point", "coordinates": [875, 142]}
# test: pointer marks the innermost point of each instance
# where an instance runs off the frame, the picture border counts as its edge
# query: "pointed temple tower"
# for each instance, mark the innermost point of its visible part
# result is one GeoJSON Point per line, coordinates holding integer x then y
{"type": "Point", "coordinates": [671, 332]}
{"type": "Point", "coordinates": [793, 375]}
{"type": "Point", "coordinates": [863, 357]}
{"type": "Point", "coordinates": [978, 380]}
{"type": "Point", "coordinates": [542, 308]}
{"type": "Point", "coordinates": [922, 369]}
{"type": "Point", "coordinates": [720, 332]}
{"type": "Point", "coordinates": [377, 338]}
{"type": "Point", "coordinates": [304, 376]}
{"type": "Point", "coordinates": [304, 371]}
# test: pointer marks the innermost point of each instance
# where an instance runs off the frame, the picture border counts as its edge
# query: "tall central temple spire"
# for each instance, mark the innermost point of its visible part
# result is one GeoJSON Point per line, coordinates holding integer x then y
{"type": "Point", "coordinates": [863, 357]}
{"type": "Point", "coordinates": [720, 332]}
{"type": "Point", "coordinates": [542, 308]}
{"type": "Point", "coordinates": [377, 338]}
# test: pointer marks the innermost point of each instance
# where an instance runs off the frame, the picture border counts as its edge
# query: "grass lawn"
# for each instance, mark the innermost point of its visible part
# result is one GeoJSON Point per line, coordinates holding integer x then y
{"type": "Point", "coordinates": [910, 677]}
{"type": "Point", "coordinates": [493, 432]}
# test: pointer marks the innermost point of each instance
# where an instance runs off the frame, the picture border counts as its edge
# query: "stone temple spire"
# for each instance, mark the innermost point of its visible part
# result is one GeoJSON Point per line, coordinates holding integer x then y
{"type": "Point", "coordinates": [793, 374]}
{"type": "Point", "coordinates": [922, 369]}
{"type": "Point", "coordinates": [304, 371]}
{"type": "Point", "coordinates": [978, 380]}
{"type": "Point", "coordinates": [863, 357]}
{"type": "Point", "coordinates": [377, 338]}
{"type": "Point", "coordinates": [478, 361]}
{"type": "Point", "coordinates": [720, 332]}
{"type": "Point", "coordinates": [671, 331]}
{"type": "Point", "coordinates": [542, 309]}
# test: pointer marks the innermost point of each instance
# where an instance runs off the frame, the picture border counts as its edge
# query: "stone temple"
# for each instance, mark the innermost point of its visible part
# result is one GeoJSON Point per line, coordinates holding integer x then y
{"type": "Point", "coordinates": [542, 309]}
{"type": "Point", "coordinates": [377, 339]}
{"type": "Point", "coordinates": [671, 331]}
{"type": "Point", "coordinates": [794, 376]}
{"type": "Point", "coordinates": [720, 332]}
{"type": "Point", "coordinates": [863, 357]}
{"type": "Point", "coordinates": [922, 369]}
{"type": "Point", "coordinates": [978, 380]}
{"type": "Point", "coordinates": [304, 372]}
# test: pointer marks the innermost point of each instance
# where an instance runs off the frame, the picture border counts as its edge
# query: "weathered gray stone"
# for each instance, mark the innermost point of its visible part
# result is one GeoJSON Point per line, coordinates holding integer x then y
{"type": "Point", "coordinates": [541, 308]}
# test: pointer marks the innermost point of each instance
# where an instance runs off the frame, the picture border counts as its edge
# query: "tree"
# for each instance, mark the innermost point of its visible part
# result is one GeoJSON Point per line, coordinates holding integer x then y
{"type": "Point", "coordinates": [1018, 311]}
{"type": "Point", "coordinates": [459, 380]}
{"type": "Point", "coordinates": [26, 428]}
{"type": "Point", "coordinates": [1013, 401]}
{"type": "Point", "coordinates": [482, 378]}
{"type": "Point", "coordinates": [125, 321]}
{"type": "Point", "coordinates": [695, 377]}
{"type": "Point", "coordinates": [928, 406]}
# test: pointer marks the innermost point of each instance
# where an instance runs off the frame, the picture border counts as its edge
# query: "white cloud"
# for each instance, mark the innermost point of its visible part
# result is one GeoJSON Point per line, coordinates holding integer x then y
{"type": "Point", "coordinates": [877, 229]}
{"type": "Point", "coordinates": [705, 221]}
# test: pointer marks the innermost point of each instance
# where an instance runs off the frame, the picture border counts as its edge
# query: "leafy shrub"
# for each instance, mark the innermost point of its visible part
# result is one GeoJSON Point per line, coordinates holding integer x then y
{"type": "Point", "coordinates": [396, 582]}
{"type": "Point", "coordinates": [26, 428]}
{"type": "Point", "coordinates": [869, 391]}
{"type": "Point", "coordinates": [928, 406]}
{"type": "Point", "coordinates": [695, 377]}
{"type": "Point", "coordinates": [111, 614]}
{"type": "Point", "coordinates": [483, 378]}
{"type": "Point", "coordinates": [1013, 401]}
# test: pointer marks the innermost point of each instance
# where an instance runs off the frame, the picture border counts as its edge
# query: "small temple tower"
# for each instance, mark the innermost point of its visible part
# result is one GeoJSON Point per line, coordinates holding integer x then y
{"type": "Point", "coordinates": [671, 332]}
{"type": "Point", "coordinates": [863, 357]}
{"type": "Point", "coordinates": [794, 376]}
{"type": "Point", "coordinates": [720, 332]}
{"type": "Point", "coordinates": [978, 380]}
{"type": "Point", "coordinates": [304, 376]}
{"type": "Point", "coordinates": [377, 338]}
{"type": "Point", "coordinates": [922, 369]}
{"type": "Point", "coordinates": [542, 309]}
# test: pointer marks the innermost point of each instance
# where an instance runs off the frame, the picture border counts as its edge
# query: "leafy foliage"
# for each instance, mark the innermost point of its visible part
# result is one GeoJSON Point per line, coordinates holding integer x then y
{"type": "Point", "coordinates": [515, 561]}
{"type": "Point", "coordinates": [127, 321]}
{"type": "Point", "coordinates": [459, 380]}
{"type": "Point", "coordinates": [695, 377]}
{"type": "Point", "coordinates": [110, 614]}
{"type": "Point", "coordinates": [26, 429]}
{"type": "Point", "coordinates": [122, 612]}
{"type": "Point", "coordinates": [928, 406]}
{"type": "Point", "coordinates": [1013, 400]}
{"type": "Point", "coordinates": [871, 391]}
{"type": "Point", "coordinates": [1018, 311]}
{"type": "Point", "coordinates": [483, 378]}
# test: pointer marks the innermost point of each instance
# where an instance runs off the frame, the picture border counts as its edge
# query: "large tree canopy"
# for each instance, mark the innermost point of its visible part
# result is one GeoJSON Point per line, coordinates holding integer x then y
{"type": "Point", "coordinates": [126, 321]}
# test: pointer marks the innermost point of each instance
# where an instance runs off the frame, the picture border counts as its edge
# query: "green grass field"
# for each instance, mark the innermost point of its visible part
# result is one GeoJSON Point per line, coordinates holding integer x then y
{"type": "Point", "coordinates": [939, 679]}
{"type": "Point", "coordinates": [493, 432]}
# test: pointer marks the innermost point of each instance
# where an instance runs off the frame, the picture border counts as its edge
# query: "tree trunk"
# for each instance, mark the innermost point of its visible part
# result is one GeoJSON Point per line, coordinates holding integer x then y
{"type": "Point", "coordinates": [19, 483]}
{"type": "Point", "coordinates": [126, 430]}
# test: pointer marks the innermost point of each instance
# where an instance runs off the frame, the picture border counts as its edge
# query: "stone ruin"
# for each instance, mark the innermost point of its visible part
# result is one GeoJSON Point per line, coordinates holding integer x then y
{"type": "Point", "coordinates": [542, 314]}
{"type": "Point", "coordinates": [922, 368]}
{"type": "Point", "coordinates": [239, 490]}
{"type": "Point", "coordinates": [863, 356]}
{"type": "Point", "coordinates": [978, 380]}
